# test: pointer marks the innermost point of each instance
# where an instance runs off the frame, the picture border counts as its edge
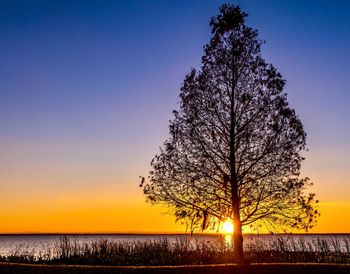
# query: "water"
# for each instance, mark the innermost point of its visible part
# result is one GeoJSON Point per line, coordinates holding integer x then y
{"type": "Point", "coordinates": [12, 244]}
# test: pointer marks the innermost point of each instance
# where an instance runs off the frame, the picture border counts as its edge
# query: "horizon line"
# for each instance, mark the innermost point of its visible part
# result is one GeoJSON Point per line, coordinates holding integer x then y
{"type": "Point", "coordinates": [162, 233]}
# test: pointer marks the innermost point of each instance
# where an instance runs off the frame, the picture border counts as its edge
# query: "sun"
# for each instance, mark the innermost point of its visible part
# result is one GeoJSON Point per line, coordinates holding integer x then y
{"type": "Point", "coordinates": [227, 227]}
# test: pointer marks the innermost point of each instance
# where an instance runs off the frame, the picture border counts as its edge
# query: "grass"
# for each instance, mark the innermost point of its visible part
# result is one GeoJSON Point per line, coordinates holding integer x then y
{"type": "Point", "coordinates": [182, 252]}
{"type": "Point", "coordinates": [272, 268]}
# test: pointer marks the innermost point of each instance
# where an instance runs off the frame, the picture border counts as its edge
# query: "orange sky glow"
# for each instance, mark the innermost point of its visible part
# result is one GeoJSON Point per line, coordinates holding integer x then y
{"type": "Point", "coordinates": [87, 90]}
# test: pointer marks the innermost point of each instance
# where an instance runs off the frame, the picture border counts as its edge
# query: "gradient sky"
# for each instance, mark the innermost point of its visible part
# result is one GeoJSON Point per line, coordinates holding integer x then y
{"type": "Point", "coordinates": [87, 89]}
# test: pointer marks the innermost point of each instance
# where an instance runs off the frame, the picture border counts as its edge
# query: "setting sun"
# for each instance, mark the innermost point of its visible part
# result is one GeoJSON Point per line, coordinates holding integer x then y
{"type": "Point", "coordinates": [227, 227]}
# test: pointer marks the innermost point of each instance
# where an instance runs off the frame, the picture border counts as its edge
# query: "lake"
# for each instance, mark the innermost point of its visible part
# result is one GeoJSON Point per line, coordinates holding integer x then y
{"type": "Point", "coordinates": [12, 244]}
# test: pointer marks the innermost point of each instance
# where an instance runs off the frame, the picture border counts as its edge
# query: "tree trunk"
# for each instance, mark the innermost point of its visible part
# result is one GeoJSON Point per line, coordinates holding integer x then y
{"type": "Point", "coordinates": [237, 237]}
{"type": "Point", "coordinates": [238, 240]}
{"type": "Point", "coordinates": [237, 224]}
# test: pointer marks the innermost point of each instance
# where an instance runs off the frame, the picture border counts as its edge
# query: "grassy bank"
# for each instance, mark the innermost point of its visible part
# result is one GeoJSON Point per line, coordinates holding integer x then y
{"type": "Point", "coordinates": [183, 252]}
{"type": "Point", "coordinates": [7, 268]}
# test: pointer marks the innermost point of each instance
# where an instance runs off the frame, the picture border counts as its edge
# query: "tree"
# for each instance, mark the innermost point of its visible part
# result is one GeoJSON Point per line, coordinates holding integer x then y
{"type": "Point", "coordinates": [235, 145]}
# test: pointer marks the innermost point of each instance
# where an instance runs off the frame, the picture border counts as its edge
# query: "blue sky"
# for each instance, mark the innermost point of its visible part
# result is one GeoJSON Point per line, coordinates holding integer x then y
{"type": "Point", "coordinates": [87, 87]}
{"type": "Point", "coordinates": [70, 65]}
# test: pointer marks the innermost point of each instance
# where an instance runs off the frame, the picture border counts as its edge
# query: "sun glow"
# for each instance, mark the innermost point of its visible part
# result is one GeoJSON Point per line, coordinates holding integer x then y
{"type": "Point", "coordinates": [227, 227]}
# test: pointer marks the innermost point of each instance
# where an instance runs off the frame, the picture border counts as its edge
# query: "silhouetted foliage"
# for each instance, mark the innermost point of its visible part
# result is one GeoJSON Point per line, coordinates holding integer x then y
{"type": "Point", "coordinates": [235, 144]}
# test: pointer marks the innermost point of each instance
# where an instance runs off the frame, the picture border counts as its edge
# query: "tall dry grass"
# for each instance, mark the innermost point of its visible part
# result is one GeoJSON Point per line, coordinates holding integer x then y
{"type": "Point", "coordinates": [184, 252]}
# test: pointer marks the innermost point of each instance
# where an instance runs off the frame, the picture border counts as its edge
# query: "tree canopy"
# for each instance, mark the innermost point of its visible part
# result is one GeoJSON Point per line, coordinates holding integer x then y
{"type": "Point", "coordinates": [235, 145]}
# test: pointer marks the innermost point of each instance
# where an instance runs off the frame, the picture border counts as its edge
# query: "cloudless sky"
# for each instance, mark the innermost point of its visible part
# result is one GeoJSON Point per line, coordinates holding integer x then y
{"type": "Point", "coordinates": [87, 89]}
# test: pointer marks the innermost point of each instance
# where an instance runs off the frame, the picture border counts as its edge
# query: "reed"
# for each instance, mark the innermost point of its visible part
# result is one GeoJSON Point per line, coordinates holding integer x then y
{"type": "Point", "coordinates": [184, 252]}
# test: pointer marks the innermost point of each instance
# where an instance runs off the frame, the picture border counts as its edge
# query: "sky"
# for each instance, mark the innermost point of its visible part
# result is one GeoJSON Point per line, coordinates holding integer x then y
{"type": "Point", "coordinates": [87, 89]}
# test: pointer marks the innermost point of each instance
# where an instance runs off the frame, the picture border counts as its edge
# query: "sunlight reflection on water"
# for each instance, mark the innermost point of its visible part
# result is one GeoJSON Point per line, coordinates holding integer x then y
{"type": "Point", "coordinates": [228, 239]}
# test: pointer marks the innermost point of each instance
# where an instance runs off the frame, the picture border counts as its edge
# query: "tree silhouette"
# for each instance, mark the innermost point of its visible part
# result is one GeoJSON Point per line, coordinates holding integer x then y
{"type": "Point", "coordinates": [235, 145]}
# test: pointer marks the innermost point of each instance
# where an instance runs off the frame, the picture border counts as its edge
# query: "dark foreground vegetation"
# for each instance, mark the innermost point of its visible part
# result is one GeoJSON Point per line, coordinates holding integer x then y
{"type": "Point", "coordinates": [203, 269]}
{"type": "Point", "coordinates": [280, 249]}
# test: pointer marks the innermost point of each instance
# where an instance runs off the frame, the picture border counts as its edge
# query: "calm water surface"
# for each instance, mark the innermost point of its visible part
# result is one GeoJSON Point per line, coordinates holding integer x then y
{"type": "Point", "coordinates": [11, 244]}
